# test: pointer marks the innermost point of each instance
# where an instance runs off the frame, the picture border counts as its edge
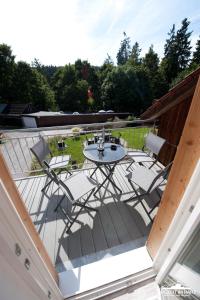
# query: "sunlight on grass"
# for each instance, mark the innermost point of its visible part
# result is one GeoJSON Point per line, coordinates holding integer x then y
{"type": "Point", "coordinates": [131, 138]}
{"type": "Point", "coordinates": [134, 137]}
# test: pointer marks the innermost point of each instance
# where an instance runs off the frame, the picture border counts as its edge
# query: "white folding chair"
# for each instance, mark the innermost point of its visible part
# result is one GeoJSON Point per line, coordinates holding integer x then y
{"type": "Point", "coordinates": [153, 144]}
{"type": "Point", "coordinates": [47, 161]}
{"type": "Point", "coordinates": [148, 181]}
{"type": "Point", "coordinates": [77, 190]}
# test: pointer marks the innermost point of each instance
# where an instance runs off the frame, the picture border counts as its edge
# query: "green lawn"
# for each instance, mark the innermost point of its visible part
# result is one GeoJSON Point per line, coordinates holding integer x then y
{"type": "Point", "coordinates": [74, 147]}
{"type": "Point", "coordinates": [134, 138]}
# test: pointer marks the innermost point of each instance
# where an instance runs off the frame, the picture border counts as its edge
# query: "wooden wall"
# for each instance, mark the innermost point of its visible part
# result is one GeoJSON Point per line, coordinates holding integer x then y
{"type": "Point", "coordinates": [186, 159]}
{"type": "Point", "coordinates": [170, 127]}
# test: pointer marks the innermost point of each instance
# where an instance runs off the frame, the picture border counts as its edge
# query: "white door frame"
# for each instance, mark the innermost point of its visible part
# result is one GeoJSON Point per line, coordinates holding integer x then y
{"type": "Point", "coordinates": [21, 256]}
{"type": "Point", "coordinates": [184, 223]}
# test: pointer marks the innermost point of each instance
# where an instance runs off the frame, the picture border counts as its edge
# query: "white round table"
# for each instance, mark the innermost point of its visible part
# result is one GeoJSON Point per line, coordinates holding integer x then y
{"type": "Point", "coordinates": [105, 161]}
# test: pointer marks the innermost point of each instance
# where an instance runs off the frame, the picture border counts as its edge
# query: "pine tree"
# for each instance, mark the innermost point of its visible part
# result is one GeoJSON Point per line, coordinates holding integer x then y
{"type": "Point", "coordinates": [151, 61]}
{"type": "Point", "coordinates": [124, 50]}
{"type": "Point", "coordinates": [158, 83]}
{"type": "Point", "coordinates": [135, 59]}
{"type": "Point", "coordinates": [177, 51]}
{"type": "Point", "coordinates": [183, 45]}
{"type": "Point", "coordinates": [108, 60]}
{"type": "Point", "coordinates": [196, 54]}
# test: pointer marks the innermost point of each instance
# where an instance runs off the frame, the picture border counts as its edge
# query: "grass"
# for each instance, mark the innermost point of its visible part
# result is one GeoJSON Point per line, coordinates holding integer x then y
{"type": "Point", "coordinates": [132, 138]}
{"type": "Point", "coordinates": [74, 147]}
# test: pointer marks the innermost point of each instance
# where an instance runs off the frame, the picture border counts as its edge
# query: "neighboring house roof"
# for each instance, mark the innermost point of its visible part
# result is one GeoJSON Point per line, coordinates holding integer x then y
{"type": "Point", "coordinates": [18, 108]}
{"type": "Point", "coordinates": [183, 90]}
{"type": "Point", "coordinates": [44, 114]}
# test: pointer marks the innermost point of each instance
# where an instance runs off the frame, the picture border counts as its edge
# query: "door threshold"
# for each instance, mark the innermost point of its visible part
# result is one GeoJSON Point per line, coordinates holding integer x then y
{"type": "Point", "coordinates": [107, 276]}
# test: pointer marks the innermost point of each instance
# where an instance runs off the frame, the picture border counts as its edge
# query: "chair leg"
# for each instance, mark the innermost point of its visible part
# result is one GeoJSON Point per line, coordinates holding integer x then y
{"type": "Point", "coordinates": [93, 172]}
{"type": "Point", "coordinates": [153, 163]}
{"type": "Point", "coordinates": [46, 185]}
{"type": "Point", "coordinates": [156, 203]}
{"type": "Point", "coordinates": [138, 196]}
{"type": "Point", "coordinates": [127, 169]}
{"type": "Point", "coordinates": [82, 206]}
{"type": "Point", "coordinates": [59, 203]}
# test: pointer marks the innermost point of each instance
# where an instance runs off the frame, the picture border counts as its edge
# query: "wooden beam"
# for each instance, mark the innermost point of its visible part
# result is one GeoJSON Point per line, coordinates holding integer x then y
{"type": "Point", "coordinates": [21, 209]}
{"type": "Point", "coordinates": [187, 156]}
{"type": "Point", "coordinates": [179, 99]}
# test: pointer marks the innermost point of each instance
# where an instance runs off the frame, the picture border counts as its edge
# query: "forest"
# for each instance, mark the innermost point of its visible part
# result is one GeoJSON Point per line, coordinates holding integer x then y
{"type": "Point", "coordinates": [129, 86]}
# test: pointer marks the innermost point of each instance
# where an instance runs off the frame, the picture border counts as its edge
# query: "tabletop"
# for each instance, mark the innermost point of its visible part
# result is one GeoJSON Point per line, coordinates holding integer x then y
{"type": "Point", "coordinates": [108, 156]}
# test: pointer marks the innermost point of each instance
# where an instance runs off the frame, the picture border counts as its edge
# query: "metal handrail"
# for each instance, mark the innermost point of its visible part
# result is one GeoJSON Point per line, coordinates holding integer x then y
{"type": "Point", "coordinates": [17, 153]}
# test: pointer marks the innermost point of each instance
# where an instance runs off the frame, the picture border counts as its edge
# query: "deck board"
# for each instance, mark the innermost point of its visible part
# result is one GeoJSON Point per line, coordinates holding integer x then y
{"type": "Point", "coordinates": [116, 227]}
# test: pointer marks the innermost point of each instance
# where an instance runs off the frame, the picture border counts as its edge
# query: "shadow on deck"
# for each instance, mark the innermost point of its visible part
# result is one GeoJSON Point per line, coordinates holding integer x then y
{"type": "Point", "coordinates": [116, 227]}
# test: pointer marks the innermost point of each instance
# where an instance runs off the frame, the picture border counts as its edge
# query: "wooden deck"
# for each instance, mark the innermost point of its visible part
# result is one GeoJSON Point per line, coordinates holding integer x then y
{"type": "Point", "coordinates": [116, 227]}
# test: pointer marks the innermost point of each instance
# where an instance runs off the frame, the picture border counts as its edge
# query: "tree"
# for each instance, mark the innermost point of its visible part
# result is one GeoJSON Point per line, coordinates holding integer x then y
{"type": "Point", "coordinates": [124, 50]}
{"type": "Point", "coordinates": [183, 45]}
{"type": "Point", "coordinates": [127, 88]}
{"type": "Point", "coordinates": [30, 86]}
{"type": "Point", "coordinates": [177, 51]}
{"type": "Point", "coordinates": [151, 61]}
{"type": "Point", "coordinates": [107, 67]}
{"type": "Point", "coordinates": [74, 96]}
{"type": "Point", "coordinates": [70, 87]}
{"type": "Point", "coordinates": [47, 71]}
{"type": "Point", "coordinates": [134, 58]}
{"type": "Point", "coordinates": [157, 80]}
{"type": "Point", "coordinates": [7, 66]}
{"type": "Point", "coordinates": [108, 60]}
{"type": "Point", "coordinates": [196, 54]}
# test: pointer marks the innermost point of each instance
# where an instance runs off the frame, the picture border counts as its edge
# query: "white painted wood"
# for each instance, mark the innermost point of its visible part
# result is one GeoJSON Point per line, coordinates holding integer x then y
{"type": "Point", "coordinates": [149, 291]}
{"type": "Point", "coordinates": [96, 274]}
{"type": "Point", "coordinates": [37, 278]}
{"type": "Point", "coordinates": [183, 225]}
{"type": "Point", "coordinates": [12, 286]}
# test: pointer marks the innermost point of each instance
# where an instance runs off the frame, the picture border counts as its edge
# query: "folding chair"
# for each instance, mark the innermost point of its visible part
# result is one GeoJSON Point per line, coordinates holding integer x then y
{"type": "Point", "coordinates": [153, 144]}
{"type": "Point", "coordinates": [148, 181]}
{"type": "Point", "coordinates": [77, 190]}
{"type": "Point", "coordinates": [47, 161]}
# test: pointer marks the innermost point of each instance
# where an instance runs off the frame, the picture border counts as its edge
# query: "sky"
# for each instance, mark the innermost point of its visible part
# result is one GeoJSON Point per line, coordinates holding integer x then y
{"type": "Point", "coordinates": [58, 32]}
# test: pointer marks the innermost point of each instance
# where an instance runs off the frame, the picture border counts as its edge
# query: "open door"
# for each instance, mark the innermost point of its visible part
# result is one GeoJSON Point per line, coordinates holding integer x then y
{"type": "Point", "coordinates": [23, 257]}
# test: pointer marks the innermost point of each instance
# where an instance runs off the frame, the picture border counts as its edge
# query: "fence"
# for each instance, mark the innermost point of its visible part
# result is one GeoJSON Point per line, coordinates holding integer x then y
{"type": "Point", "coordinates": [15, 145]}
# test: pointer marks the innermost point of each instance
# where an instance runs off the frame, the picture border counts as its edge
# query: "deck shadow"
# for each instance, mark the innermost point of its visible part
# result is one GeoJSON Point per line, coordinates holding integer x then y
{"type": "Point", "coordinates": [116, 242]}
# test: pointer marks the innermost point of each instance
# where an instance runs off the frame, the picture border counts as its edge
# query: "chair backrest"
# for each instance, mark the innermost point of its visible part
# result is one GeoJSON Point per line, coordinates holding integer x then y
{"type": "Point", "coordinates": [41, 151]}
{"type": "Point", "coordinates": [159, 178]}
{"type": "Point", "coordinates": [62, 185]}
{"type": "Point", "coordinates": [154, 143]}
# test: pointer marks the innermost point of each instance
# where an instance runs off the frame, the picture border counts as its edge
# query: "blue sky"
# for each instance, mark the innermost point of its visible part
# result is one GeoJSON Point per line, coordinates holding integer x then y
{"type": "Point", "coordinates": [60, 31]}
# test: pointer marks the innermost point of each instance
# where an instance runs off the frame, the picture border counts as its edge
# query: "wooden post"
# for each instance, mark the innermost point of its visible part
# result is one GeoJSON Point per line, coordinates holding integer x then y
{"type": "Point", "coordinates": [187, 156]}
{"type": "Point", "coordinates": [12, 190]}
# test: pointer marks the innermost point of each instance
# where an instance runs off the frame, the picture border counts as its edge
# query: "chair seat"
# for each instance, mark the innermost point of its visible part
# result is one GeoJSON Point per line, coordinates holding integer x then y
{"type": "Point", "coordinates": [143, 177]}
{"type": "Point", "coordinates": [59, 161]}
{"type": "Point", "coordinates": [79, 185]}
{"type": "Point", "coordinates": [140, 156]}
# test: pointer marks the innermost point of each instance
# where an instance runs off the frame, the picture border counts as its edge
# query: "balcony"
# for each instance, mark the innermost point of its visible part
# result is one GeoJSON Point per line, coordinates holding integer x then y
{"type": "Point", "coordinates": [117, 227]}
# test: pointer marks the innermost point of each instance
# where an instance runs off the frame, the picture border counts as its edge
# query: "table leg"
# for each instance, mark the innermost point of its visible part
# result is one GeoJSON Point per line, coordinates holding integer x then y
{"type": "Point", "coordinates": [108, 178]}
{"type": "Point", "coordinates": [97, 167]}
